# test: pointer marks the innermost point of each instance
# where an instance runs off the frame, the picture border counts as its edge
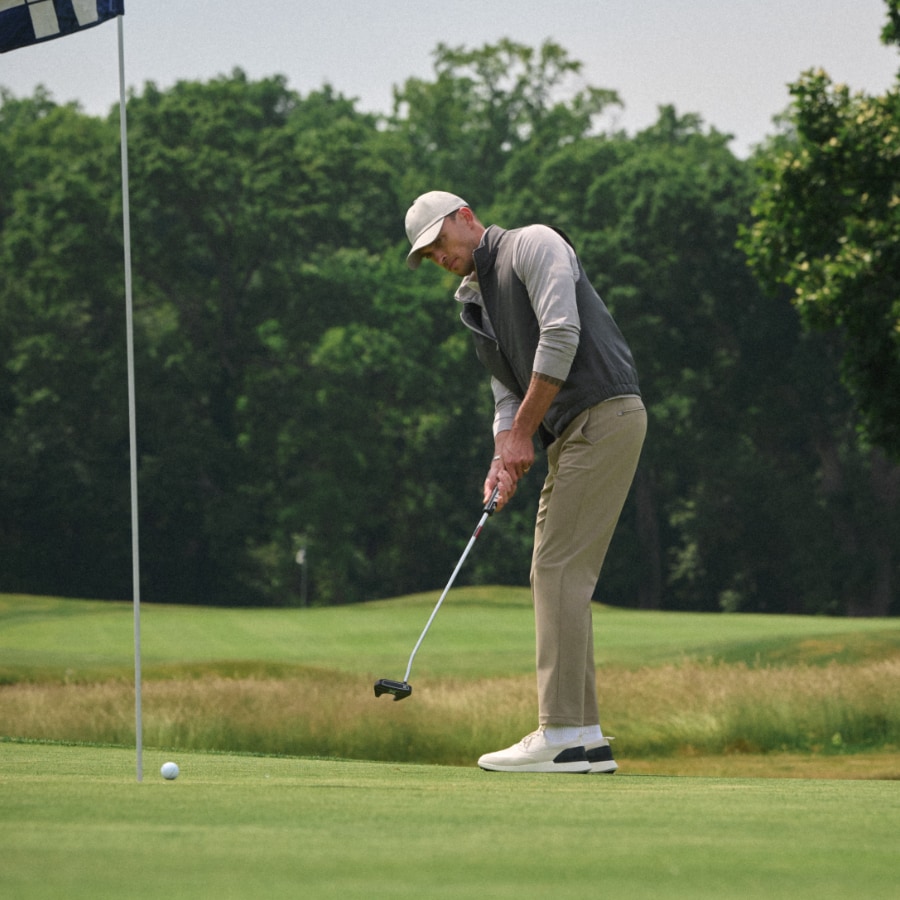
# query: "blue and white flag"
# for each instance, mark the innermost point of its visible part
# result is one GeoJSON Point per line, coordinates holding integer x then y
{"type": "Point", "coordinates": [24, 22]}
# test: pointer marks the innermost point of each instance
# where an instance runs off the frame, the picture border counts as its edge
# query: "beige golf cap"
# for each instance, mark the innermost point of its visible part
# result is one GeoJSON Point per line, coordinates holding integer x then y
{"type": "Point", "coordinates": [424, 220]}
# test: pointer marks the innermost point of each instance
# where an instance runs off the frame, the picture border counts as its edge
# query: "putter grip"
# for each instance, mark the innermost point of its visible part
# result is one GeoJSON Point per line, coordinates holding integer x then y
{"type": "Point", "coordinates": [491, 505]}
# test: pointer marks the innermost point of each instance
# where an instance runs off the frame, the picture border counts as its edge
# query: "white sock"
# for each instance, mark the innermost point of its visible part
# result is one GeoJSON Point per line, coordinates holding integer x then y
{"type": "Point", "coordinates": [591, 733]}
{"type": "Point", "coordinates": [562, 734]}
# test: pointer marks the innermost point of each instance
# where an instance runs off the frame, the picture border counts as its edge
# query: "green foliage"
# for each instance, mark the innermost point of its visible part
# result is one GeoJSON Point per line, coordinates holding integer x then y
{"type": "Point", "coordinates": [657, 218]}
{"type": "Point", "coordinates": [298, 387]}
{"type": "Point", "coordinates": [485, 105]}
{"type": "Point", "coordinates": [891, 32]}
{"type": "Point", "coordinates": [63, 453]}
{"type": "Point", "coordinates": [251, 202]}
{"type": "Point", "coordinates": [828, 227]}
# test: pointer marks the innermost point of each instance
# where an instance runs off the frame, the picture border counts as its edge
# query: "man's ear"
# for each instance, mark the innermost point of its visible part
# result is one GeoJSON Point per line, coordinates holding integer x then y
{"type": "Point", "coordinates": [469, 218]}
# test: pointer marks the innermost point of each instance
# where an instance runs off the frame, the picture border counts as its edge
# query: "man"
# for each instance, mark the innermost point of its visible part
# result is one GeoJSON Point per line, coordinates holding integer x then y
{"type": "Point", "coordinates": [562, 372]}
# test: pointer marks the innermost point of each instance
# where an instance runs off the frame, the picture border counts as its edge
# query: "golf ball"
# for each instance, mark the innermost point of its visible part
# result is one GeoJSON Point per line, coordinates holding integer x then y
{"type": "Point", "coordinates": [169, 771]}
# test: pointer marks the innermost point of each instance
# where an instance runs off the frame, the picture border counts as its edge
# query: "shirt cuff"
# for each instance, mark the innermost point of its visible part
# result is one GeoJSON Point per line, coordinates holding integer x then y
{"type": "Point", "coordinates": [555, 351]}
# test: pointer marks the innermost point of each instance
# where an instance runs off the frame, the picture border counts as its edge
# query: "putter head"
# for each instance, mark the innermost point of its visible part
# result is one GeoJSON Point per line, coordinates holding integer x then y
{"type": "Point", "coordinates": [399, 689]}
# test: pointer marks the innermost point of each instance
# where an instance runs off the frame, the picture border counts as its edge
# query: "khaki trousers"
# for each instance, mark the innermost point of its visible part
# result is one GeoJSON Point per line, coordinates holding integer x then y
{"type": "Point", "coordinates": [591, 467]}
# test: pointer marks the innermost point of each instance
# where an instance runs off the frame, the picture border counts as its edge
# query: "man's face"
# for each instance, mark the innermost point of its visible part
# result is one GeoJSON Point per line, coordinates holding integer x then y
{"type": "Point", "coordinates": [455, 244]}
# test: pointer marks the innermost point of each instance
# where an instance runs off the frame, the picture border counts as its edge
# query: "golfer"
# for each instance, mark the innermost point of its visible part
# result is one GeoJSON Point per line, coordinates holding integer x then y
{"type": "Point", "coordinates": [562, 374]}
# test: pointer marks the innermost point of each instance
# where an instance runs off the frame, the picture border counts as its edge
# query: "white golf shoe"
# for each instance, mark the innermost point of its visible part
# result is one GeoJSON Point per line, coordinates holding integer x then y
{"type": "Point", "coordinates": [536, 753]}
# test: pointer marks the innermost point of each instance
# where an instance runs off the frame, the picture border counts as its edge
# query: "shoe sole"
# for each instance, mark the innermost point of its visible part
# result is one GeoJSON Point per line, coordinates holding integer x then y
{"type": "Point", "coordinates": [577, 768]}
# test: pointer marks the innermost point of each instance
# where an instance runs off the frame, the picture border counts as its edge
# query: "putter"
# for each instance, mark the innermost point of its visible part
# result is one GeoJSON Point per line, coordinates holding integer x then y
{"type": "Point", "coordinates": [402, 689]}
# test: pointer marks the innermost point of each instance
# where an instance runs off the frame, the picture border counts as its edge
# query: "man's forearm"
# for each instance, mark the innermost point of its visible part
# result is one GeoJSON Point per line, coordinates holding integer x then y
{"type": "Point", "coordinates": [514, 449]}
{"type": "Point", "coordinates": [541, 393]}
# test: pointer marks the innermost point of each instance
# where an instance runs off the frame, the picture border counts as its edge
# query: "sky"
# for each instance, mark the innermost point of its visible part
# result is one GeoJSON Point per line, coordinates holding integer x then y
{"type": "Point", "coordinates": [728, 60]}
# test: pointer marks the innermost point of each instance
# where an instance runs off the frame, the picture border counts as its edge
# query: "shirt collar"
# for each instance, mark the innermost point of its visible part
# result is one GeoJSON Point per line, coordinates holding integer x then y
{"type": "Point", "coordinates": [469, 290]}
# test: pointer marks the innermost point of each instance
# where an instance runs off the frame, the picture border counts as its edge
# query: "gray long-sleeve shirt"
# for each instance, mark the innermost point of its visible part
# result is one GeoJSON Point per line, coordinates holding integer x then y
{"type": "Point", "coordinates": [548, 268]}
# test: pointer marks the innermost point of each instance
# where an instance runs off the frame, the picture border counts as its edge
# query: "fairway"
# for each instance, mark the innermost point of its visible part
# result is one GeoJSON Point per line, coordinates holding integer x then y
{"type": "Point", "coordinates": [76, 824]}
{"type": "Point", "coordinates": [483, 631]}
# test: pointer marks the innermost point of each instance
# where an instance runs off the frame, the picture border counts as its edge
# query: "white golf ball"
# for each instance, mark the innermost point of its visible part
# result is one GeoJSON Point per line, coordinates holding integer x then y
{"type": "Point", "coordinates": [169, 771]}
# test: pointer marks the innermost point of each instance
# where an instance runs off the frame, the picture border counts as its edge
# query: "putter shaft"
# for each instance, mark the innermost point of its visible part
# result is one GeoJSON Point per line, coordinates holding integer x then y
{"type": "Point", "coordinates": [401, 689]}
{"type": "Point", "coordinates": [489, 508]}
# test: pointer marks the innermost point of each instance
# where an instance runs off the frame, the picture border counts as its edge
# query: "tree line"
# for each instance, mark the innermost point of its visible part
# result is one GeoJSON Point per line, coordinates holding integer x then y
{"type": "Point", "coordinates": [299, 391]}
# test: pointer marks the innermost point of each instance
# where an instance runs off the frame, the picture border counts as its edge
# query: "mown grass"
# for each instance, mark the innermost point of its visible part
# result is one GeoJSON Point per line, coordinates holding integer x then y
{"type": "Point", "coordinates": [676, 686]}
{"type": "Point", "coordinates": [480, 632]}
{"type": "Point", "coordinates": [74, 824]}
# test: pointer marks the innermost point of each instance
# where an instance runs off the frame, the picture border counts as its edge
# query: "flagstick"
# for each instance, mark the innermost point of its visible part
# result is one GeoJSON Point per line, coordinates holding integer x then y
{"type": "Point", "coordinates": [132, 429]}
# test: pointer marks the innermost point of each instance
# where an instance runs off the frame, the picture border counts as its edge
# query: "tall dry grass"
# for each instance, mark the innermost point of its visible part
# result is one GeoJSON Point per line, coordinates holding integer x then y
{"type": "Point", "coordinates": [655, 712]}
{"type": "Point", "coordinates": [735, 708]}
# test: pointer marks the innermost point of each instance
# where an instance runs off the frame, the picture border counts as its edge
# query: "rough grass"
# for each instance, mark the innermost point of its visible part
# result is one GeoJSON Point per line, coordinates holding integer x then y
{"type": "Point", "coordinates": [673, 687]}
{"type": "Point", "coordinates": [674, 711]}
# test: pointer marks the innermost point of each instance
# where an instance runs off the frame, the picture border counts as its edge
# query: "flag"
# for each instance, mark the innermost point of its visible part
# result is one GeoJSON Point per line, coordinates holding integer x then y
{"type": "Point", "coordinates": [25, 22]}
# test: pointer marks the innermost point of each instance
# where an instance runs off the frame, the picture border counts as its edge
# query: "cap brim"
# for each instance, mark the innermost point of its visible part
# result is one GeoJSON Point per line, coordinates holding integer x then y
{"type": "Point", "coordinates": [428, 236]}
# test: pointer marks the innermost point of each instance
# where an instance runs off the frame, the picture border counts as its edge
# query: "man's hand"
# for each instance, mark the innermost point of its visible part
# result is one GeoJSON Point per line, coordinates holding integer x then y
{"type": "Point", "coordinates": [498, 475]}
{"type": "Point", "coordinates": [514, 449]}
{"type": "Point", "coordinates": [517, 454]}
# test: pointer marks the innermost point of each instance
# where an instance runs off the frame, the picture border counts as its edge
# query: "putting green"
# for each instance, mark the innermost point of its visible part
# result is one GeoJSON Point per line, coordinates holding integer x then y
{"type": "Point", "coordinates": [75, 823]}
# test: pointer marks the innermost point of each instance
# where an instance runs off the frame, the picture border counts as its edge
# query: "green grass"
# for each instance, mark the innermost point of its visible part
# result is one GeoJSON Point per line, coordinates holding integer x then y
{"type": "Point", "coordinates": [285, 698]}
{"type": "Point", "coordinates": [74, 823]}
{"type": "Point", "coordinates": [299, 682]}
{"type": "Point", "coordinates": [479, 632]}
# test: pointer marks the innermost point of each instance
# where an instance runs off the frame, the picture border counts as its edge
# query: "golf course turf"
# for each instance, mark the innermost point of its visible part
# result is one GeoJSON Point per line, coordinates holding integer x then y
{"type": "Point", "coordinates": [76, 824]}
{"type": "Point", "coordinates": [369, 814]}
